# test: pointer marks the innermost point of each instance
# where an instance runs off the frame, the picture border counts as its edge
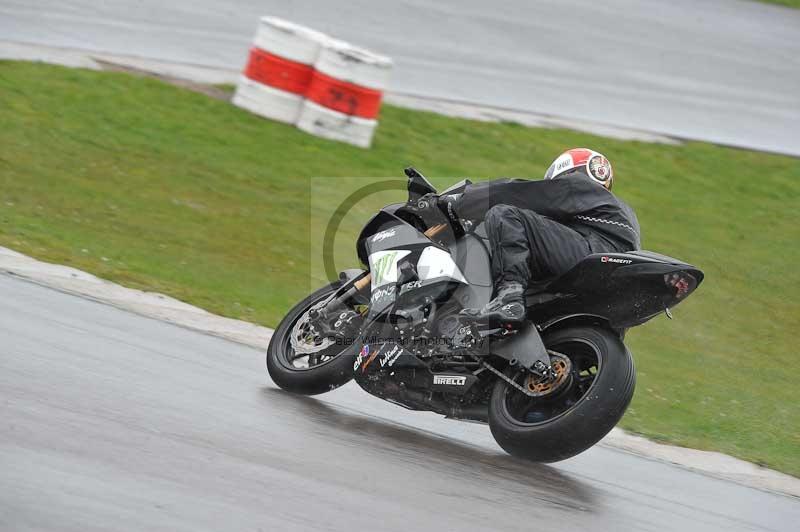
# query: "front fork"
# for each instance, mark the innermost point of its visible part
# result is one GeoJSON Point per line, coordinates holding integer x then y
{"type": "Point", "coordinates": [336, 315]}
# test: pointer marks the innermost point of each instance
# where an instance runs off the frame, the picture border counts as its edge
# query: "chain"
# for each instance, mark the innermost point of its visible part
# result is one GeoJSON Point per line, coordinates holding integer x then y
{"type": "Point", "coordinates": [511, 382]}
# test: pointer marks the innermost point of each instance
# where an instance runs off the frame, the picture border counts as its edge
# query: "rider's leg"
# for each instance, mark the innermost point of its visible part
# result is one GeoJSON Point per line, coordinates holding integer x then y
{"type": "Point", "coordinates": [525, 246]}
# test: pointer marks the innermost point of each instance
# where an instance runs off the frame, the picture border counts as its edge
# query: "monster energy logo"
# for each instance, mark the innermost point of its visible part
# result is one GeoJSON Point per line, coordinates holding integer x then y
{"type": "Point", "coordinates": [382, 267]}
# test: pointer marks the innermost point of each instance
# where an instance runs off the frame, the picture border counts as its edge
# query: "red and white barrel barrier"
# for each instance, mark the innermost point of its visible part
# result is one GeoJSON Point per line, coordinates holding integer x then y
{"type": "Point", "coordinates": [326, 87]}
{"type": "Point", "coordinates": [279, 70]}
{"type": "Point", "coordinates": [344, 96]}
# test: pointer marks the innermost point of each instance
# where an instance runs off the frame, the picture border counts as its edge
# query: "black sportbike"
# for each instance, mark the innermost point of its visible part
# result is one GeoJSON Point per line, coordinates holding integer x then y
{"type": "Point", "coordinates": [548, 390]}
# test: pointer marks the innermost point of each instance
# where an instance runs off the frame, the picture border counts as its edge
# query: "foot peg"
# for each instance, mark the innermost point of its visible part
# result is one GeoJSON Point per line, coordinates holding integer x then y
{"type": "Point", "coordinates": [506, 311]}
{"type": "Point", "coordinates": [471, 333]}
{"type": "Point", "coordinates": [509, 316]}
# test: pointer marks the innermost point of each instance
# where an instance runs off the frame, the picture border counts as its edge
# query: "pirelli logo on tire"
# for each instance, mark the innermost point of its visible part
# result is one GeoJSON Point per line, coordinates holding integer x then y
{"type": "Point", "coordinates": [449, 380]}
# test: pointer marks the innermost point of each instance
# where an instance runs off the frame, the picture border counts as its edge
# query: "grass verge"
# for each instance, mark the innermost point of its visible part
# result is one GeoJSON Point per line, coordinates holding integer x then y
{"type": "Point", "coordinates": [159, 188]}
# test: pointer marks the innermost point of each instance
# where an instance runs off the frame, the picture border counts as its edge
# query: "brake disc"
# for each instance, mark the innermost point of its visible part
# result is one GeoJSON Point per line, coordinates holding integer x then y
{"type": "Point", "coordinates": [560, 365]}
{"type": "Point", "coordinates": [305, 339]}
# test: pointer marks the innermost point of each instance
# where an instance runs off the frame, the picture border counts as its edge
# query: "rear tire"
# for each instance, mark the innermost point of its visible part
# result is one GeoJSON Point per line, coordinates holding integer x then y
{"type": "Point", "coordinates": [315, 379]}
{"type": "Point", "coordinates": [586, 419]}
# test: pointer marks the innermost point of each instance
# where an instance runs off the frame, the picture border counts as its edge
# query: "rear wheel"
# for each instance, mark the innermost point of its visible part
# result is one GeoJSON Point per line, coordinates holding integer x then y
{"type": "Point", "coordinates": [307, 364]}
{"type": "Point", "coordinates": [554, 421]}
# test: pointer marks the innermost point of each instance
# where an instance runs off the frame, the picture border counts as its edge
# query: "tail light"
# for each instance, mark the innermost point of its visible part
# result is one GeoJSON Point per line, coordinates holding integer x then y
{"type": "Point", "coordinates": [681, 282]}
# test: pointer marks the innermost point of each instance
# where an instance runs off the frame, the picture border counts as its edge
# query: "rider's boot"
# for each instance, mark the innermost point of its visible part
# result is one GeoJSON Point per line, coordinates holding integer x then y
{"type": "Point", "coordinates": [506, 309]}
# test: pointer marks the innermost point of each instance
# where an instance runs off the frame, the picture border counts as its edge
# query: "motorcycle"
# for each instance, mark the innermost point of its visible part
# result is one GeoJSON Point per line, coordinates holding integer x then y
{"type": "Point", "coordinates": [548, 390]}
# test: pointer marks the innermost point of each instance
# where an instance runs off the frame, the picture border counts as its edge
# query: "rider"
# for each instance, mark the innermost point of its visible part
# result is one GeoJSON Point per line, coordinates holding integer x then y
{"type": "Point", "coordinates": [541, 229]}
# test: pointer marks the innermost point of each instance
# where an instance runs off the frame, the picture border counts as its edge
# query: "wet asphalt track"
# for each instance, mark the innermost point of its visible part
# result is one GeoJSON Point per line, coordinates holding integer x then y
{"type": "Point", "coordinates": [721, 70]}
{"type": "Point", "coordinates": [112, 421]}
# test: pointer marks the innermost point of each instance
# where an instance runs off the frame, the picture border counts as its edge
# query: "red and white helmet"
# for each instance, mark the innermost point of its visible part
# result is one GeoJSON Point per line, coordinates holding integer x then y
{"type": "Point", "coordinates": [593, 164]}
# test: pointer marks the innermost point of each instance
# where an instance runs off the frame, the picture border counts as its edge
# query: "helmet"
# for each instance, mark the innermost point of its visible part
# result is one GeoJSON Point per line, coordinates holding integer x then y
{"type": "Point", "coordinates": [593, 164]}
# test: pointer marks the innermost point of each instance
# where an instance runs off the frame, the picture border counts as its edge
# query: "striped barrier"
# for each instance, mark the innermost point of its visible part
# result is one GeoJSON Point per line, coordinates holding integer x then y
{"type": "Point", "coordinates": [344, 96]}
{"type": "Point", "coordinates": [278, 70]}
{"type": "Point", "coordinates": [325, 86]}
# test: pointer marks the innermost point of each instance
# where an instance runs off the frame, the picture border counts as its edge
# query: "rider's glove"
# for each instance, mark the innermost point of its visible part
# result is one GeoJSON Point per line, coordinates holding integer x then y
{"type": "Point", "coordinates": [447, 204]}
{"type": "Point", "coordinates": [432, 208]}
{"type": "Point", "coordinates": [427, 209]}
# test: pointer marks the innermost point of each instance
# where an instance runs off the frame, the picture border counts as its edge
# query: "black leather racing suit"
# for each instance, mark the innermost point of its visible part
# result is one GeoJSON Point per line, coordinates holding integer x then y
{"type": "Point", "coordinates": [541, 229]}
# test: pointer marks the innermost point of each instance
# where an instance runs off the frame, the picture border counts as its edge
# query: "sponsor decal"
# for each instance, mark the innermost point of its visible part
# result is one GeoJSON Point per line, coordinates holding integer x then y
{"type": "Point", "coordinates": [361, 355]}
{"type": "Point", "coordinates": [365, 358]}
{"type": "Point", "coordinates": [381, 294]}
{"type": "Point", "coordinates": [560, 165]}
{"type": "Point", "coordinates": [383, 266]}
{"type": "Point", "coordinates": [410, 286]}
{"type": "Point", "coordinates": [564, 164]}
{"type": "Point", "coordinates": [614, 260]}
{"type": "Point", "coordinates": [369, 360]}
{"type": "Point", "coordinates": [391, 357]}
{"type": "Point", "coordinates": [449, 380]}
{"type": "Point", "coordinates": [383, 235]}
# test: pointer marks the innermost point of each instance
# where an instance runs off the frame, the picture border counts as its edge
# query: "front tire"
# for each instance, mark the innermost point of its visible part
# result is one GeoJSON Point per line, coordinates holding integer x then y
{"type": "Point", "coordinates": [333, 369]}
{"type": "Point", "coordinates": [557, 427]}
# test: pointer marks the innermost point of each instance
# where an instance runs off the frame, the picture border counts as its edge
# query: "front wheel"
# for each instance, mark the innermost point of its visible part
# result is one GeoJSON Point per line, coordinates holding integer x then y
{"type": "Point", "coordinates": [306, 364]}
{"type": "Point", "coordinates": [552, 422]}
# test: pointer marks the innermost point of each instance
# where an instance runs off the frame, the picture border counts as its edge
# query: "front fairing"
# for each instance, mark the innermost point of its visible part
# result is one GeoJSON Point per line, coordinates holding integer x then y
{"type": "Point", "coordinates": [384, 219]}
{"type": "Point", "coordinates": [405, 264]}
{"type": "Point", "coordinates": [389, 241]}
